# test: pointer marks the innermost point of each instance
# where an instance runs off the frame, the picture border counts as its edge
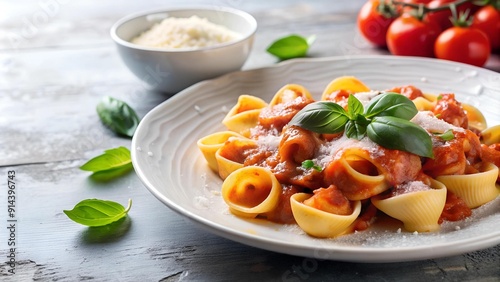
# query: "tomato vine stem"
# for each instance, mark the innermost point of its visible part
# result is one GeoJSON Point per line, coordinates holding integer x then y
{"type": "Point", "coordinates": [420, 10]}
{"type": "Point", "coordinates": [426, 9]}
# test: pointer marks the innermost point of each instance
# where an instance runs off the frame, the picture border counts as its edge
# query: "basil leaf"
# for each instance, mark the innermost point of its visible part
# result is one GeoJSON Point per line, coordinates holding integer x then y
{"type": "Point", "coordinates": [354, 106]}
{"type": "Point", "coordinates": [321, 117]}
{"type": "Point", "coordinates": [400, 134]}
{"type": "Point", "coordinates": [111, 160]}
{"type": "Point", "coordinates": [108, 175]}
{"type": "Point", "coordinates": [391, 104]}
{"type": "Point", "coordinates": [308, 164]}
{"type": "Point", "coordinates": [292, 46]}
{"type": "Point", "coordinates": [446, 136]}
{"type": "Point", "coordinates": [95, 212]}
{"type": "Point", "coordinates": [117, 116]}
{"type": "Point", "coordinates": [107, 233]}
{"type": "Point", "coordinates": [356, 128]}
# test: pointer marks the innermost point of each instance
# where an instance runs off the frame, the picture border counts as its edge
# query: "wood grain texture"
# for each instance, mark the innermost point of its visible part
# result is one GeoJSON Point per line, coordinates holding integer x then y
{"type": "Point", "coordinates": [56, 62]}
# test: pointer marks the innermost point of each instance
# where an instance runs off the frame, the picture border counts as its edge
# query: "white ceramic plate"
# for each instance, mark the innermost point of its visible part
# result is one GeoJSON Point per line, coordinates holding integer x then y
{"type": "Point", "coordinates": [167, 160]}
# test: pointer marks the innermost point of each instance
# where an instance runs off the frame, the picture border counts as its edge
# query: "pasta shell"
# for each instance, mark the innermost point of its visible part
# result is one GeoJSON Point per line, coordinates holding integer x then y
{"type": "Point", "coordinates": [354, 184]}
{"type": "Point", "coordinates": [491, 135]}
{"type": "Point", "coordinates": [419, 211]}
{"type": "Point", "coordinates": [243, 122]}
{"type": "Point", "coordinates": [423, 104]}
{"type": "Point", "coordinates": [430, 97]}
{"type": "Point", "coordinates": [289, 93]}
{"type": "Point", "coordinates": [226, 163]}
{"type": "Point", "coordinates": [475, 189]}
{"type": "Point", "coordinates": [250, 191]}
{"type": "Point", "coordinates": [349, 83]}
{"type": "Point", "coordinates": [209, 145]}
{"type": "Point", "coordinates": [319, 223]}
{"type": "Point", "coordinates": [244, 115]}
{"type": "Point", "coordinates": [475, 118]}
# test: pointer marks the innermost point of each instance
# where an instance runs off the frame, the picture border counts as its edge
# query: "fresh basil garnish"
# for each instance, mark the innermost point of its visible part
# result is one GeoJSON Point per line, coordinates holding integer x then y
{"type": "Point", "coordinates": [446, 136]}
{"type": "Point", "coordinates": [385, 121]}
{"type": "Point", "coordinates": [356, 128]}
{"type": "Point", "coordinates": [309, 164]}
{"type": "Point", "coordinates": [292, 46]}
{"type": "Point", "coordinates": [321, 117]}
{"type": "Point", "coordinates": [354, 106]}
{"type": "Point", "coordinates": [111, 160]}
{"type": "Point", "coordinates": [391, 104]}
{"type": "Point", "coordinates": [400, 134]}
{"type": "Point", "coordinates": [95, 212]}
{"type": "Point", "coordinates": [117, 116]}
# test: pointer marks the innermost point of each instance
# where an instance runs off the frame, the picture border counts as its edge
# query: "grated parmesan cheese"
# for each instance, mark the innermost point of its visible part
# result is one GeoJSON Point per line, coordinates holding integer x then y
{"type": "Point", "coordinates": [366, 97]}
{"type": "Point", "coordinates": [334, 149]}
{"type": "Point", "coordinates": [269, 142]}
{"type": "Point", "coordinates": [428, 121]}
{"type": "Point", "coordinates": [185, 33]}
{"type": "Point", "coordinates": [410, 187]}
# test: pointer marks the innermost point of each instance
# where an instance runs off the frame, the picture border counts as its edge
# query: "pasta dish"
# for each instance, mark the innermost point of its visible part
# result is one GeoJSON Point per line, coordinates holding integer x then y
{"type": "Point", "coordinates": [334, 165]}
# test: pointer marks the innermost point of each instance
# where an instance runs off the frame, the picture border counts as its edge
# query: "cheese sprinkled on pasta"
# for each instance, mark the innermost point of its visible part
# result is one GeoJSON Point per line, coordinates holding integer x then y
{"type": "Point", "coordinates": [430, 122]}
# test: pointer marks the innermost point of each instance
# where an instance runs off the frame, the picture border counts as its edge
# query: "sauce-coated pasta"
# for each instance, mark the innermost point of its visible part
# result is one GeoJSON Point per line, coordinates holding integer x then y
{"type": "Point", "coordinates": [331, 184]}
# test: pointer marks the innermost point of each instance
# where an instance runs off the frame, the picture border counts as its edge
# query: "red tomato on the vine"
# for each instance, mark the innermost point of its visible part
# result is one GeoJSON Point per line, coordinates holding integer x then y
{"type": "Point", "coordinates": [372, 24]}
{"type": "Point", "coordinates": [442, 18]}
{"type": "Point", "coordinates": [487, 19]}
{"type": "Point", "coordinates": [463, 44]}
{"type": "Point", "coordinates": [409, 36]}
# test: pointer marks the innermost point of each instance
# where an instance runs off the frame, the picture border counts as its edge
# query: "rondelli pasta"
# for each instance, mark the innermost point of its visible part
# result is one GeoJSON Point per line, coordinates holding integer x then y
{"type": "Point", "coordinates": [336, 165]}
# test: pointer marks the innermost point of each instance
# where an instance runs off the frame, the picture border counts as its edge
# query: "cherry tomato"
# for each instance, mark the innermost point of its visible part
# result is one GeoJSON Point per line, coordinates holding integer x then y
{"type": "Point", "coordinates": [442, 18]}
{"type": "Point", "coordinates": [487, 19]}
{"type": "Point", "coordinates": [409, 36]}
{"type": "Point", "coordinates": [463, 44]}
{"type": "Point", "coordinates": [372, 24]}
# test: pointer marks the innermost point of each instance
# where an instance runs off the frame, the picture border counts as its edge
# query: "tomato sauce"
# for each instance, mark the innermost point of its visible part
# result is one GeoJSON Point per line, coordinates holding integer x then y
{"type": "Point", "coordinates": [366, 218]}
{"type": "Point", "coordinates": [450, 110]}
{"type": "Point", "coordinates": [330, 200]}
{"type": "Point", "coordinates": [409, 91]}
{"type": "Point", "coordinates": [279, 115]}
{"type": "Point", "coordinates": [455, 209]}
{"type": "Point", "coordinates": [283, 211]}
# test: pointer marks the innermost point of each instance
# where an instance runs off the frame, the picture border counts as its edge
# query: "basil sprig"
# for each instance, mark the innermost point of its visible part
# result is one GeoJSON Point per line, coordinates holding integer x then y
{"type": "Point", "coordinates": [385, 120]}
{"type": "Point", "coordinates": [117, 116]}
{"type": "Point", "coordinates": [95, 212]}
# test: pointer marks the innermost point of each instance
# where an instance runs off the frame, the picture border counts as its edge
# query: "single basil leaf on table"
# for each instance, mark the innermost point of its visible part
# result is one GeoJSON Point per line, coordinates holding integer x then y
{"type": "Point", "coordinates": [95, 212]}
{"type": "Point", "coordinates": [117, 116]}
{"type": "Point", "coordinates": [400, 134]}
{"type": "Point", "coordinates": [391, 104]}
{"type": "Point", "coordinates": [292, 46]}
{"type": "Point", "coordinates": [112, 159]}
{"type": "Point", "coordinates": [321, 117]}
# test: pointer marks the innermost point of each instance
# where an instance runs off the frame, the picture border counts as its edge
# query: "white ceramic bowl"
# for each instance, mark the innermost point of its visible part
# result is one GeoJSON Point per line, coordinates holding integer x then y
{"type": "Point", "coordinates": [173, 70]}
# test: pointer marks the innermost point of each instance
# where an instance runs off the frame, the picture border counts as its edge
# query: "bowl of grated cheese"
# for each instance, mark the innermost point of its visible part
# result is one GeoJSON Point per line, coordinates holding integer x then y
{"type": "Point", "coordinates": [171, 49]}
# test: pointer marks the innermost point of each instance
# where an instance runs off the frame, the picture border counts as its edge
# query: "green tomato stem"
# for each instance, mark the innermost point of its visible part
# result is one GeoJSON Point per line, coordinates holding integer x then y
{"type": "Point", "coordinates": [424, 9]}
